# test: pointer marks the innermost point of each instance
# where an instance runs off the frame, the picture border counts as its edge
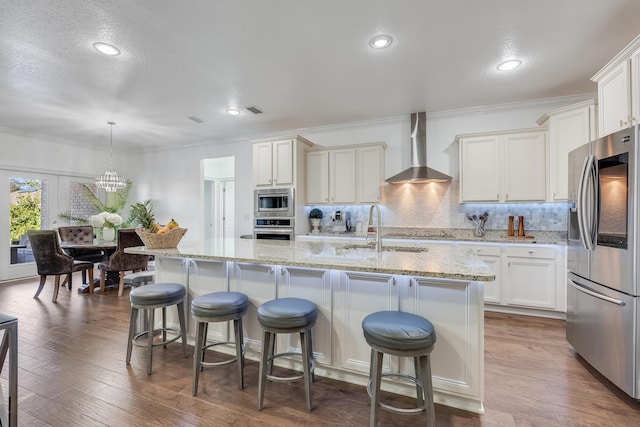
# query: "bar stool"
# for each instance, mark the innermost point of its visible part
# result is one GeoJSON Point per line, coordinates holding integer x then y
{"type": "Point", "coordinates": [406, 335]}
{"type": "Point", "coordinates": [218, 307]}
{"type": "Point", "coordinates": [150, 297]}
{"type": "Point", "coordinates": [286, 316]}
{"type": "Point", "coordinates": [10, 344]}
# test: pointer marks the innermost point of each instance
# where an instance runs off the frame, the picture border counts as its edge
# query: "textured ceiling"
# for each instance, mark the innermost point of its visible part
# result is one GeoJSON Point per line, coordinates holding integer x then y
{"type": "Point", "coordinates": [304, 63]}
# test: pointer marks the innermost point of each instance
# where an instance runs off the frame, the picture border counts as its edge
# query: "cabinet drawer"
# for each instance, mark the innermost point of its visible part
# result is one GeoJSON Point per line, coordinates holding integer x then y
{"type": "Point", "coordinates": [531, 252]}
{"type": "Point", "coordinates": [483, 250]}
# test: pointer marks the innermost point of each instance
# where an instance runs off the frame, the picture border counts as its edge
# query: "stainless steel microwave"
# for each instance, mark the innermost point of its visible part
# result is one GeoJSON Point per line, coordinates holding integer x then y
{"type": "Point", "coordinates": [274, 202]}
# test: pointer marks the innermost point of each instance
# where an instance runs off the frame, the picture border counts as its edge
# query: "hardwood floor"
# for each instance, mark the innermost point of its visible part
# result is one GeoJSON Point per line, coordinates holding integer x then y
{"type": "Point", "coordinates": [72, 373]}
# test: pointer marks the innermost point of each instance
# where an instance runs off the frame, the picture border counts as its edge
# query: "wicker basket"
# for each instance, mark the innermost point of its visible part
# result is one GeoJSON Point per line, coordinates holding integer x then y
{"type": "Point", "coordinates": [168, 240]}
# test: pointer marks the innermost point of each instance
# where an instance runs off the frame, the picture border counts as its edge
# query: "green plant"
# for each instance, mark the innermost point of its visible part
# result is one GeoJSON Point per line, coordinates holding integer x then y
{"type": "Point", "coordinates": [315, 213]}
{"type": "Point", "coordinates": [142, 214]}
{"type": "Point", "coordinates": [24, 215]}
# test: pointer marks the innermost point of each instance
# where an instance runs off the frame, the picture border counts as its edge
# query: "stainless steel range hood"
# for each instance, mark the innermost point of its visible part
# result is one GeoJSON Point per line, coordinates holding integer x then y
{"type": "Point", "coordinates": [419, 171]}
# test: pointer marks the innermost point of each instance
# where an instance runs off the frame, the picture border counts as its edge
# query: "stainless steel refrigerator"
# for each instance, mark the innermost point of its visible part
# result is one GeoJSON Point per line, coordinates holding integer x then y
{"type": "Point", "coordinates": [602, 253]}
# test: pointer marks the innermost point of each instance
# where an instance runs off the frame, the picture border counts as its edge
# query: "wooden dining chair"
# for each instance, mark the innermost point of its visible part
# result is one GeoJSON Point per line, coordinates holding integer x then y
{"type": "Point", "coordinates": [52, 261]}
{"type": "Point", "coordinates": [122, 262]}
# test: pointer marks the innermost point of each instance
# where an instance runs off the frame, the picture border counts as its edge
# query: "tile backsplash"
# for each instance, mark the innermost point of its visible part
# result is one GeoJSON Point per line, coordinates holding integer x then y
{"type": "Point", "coordinates": [435, 205]}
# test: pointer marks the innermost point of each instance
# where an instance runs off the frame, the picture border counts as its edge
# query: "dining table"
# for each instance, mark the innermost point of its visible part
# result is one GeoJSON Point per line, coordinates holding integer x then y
{"type": "Point", "coordinates": [78, 249]}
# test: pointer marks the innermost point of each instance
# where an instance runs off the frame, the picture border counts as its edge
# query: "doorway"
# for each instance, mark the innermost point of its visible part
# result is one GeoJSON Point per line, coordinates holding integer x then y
{"type": "Point", "coordinates": [219, 197]}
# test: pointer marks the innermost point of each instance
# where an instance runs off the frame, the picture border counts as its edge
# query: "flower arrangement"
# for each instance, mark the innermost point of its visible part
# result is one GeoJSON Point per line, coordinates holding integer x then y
{"type": "Point", "coordinates": [106, 219]}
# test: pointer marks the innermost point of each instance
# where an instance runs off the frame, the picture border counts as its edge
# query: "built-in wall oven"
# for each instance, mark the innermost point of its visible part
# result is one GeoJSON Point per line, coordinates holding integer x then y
{"type": "Point", "coordinates": [274, 202]}
{"type": "Point", "coordinates": [274, 228]}
{"type": "Point", "coordinates": [274, 210]}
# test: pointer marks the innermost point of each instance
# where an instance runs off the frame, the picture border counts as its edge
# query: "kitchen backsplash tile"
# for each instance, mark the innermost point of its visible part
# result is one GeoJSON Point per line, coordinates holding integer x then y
{"type": "Point", "coordinates": [435, 205]}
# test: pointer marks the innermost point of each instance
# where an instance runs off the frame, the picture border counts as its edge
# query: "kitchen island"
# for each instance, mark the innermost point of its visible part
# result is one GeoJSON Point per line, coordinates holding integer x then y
{"type": "Point", "coordinates": [347, 282]}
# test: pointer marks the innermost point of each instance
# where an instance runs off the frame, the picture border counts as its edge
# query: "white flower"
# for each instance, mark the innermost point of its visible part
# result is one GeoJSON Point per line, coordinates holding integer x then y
{"type": "Point", "coordinates": [105, 219]}
{"type": "Point", "coordinates": [113, 219]}
{"type": "Point", "coordinates": [96, 220]}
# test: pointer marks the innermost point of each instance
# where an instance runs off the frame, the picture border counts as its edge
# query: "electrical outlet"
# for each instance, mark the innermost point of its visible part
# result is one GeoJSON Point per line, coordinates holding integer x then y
{"type": "Point", "coordinates": [461, 218]}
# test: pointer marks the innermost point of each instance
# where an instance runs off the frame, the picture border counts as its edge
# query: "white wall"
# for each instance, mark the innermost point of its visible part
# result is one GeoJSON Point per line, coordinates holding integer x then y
{"type": "Point", "coordinates": [173, 178]}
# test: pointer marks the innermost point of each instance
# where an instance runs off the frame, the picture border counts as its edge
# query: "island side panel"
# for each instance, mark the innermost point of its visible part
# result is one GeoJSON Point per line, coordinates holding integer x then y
{"type": "Point", "coordinates": [455, 308]}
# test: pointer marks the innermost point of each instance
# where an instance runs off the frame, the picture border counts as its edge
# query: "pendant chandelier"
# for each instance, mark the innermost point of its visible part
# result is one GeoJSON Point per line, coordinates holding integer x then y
{"type": "Point", "coordinates": [110, 180]}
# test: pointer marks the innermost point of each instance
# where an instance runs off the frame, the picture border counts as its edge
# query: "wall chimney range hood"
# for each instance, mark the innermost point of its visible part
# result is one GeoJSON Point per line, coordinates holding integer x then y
{"type": "Point", "coordinates": [419, 171]}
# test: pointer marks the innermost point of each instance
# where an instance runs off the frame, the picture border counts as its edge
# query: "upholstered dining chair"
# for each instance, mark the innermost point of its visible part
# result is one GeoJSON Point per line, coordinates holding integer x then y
{"type": "Point", "coordinates": [52, 261]}
{"type": "Point", "coordinates": [122, 262]}
{"type": "Point", "coordinates": [80, 235]}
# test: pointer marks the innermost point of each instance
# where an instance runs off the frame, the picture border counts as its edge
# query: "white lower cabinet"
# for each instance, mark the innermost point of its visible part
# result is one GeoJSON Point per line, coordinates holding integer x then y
{"type": "Point", "coordinates": [358, 295]}
{"type": "Point", "coordinates": [443, 302]}
{"type": "Point", "coordinates": [313, 285]}
{"type": "Point", "coordinates": [199, 277]}
{"type": "Point", "coordinates": [258, 282]}
{"type": "Point", "coordinates": [530, 275]}
{"type": "Point", "coordinates": [343, 300]}
{"type": "Point", "coordinates": [490, 254]}
{"type": "Point", "coordinates": [530, 279]}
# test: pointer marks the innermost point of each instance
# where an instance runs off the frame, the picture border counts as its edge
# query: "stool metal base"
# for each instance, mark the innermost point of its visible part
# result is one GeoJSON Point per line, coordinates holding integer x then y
{"type": "Point", "coordinates": [202, 326]}
{"type": "Point", "coordinates": [150, 309]}
{"type": "Point", "coordinates": [422, 380]}
{"type": "Point", "coordinates": [268, 356]}
{"type": "Point", "coordinates": [394, 409]}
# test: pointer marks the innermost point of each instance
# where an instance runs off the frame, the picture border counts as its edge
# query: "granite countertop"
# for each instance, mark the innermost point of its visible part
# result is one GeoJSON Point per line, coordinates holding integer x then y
{"type": "Point", "coordinates": [461, 235]}
{"type": "Point", "coordinates": [450, 263]}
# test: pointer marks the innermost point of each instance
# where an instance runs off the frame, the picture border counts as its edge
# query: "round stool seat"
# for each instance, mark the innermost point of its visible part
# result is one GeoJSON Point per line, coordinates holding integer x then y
{"type": "Point", "coordinates": [219, 304]}
{"type": "Point", "coordinates": [157, 294]}
{"type": "Point", "coordinates": [398, 330]}
{"type": "Point", "coordinates": [287, 313]}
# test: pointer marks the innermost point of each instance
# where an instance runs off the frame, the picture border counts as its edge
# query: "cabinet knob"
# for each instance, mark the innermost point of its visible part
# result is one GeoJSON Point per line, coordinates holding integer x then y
{"type": "Point", "coordinates": [531, 252]}
{"type": "Point", "coordinates": [270, 181]}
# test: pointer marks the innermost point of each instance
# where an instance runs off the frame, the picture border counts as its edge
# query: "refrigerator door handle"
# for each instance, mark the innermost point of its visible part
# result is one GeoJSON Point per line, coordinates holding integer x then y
{"type": "Point", "coordinates": [586, 211]}
{"type": "Point", "coordinates": [595, 294]}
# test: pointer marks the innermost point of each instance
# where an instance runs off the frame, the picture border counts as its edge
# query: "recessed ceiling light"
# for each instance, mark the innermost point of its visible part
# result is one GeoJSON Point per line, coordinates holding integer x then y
{"type": "Point", "coordinates": [381, 41]}
{"type": "Point", "coordinates": [509, 65]}
{"type": "Point", "coordinates": [233, 111]}
{"type": "Point", "coordinates": [106, 49]}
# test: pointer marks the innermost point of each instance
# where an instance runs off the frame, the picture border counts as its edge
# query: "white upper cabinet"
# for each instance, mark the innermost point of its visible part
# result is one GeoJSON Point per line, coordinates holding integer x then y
{"type": "Point", "coordinates": [370, 173]}
{"type": "Point", "coordinates": [317, 169]}
{"type": "Point", "coordinates": [569, 128]}
{"type": "Point", "coordinates": [342, 176]}
{"type": "Point", "coordinates": [273, 163]}
{"type": "Point", "coordinates": [348, 174]}
{"type": "Point", "coordinates": [619, 90]}
{"type": "Point", "coordinates": [279, 162]}
{"type": "Point", "coordinates": [508, 166]}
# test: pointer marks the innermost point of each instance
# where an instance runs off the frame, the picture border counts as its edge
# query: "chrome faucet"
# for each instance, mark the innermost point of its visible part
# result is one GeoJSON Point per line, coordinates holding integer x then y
{"type": "Point", "coordinates": [378, 238]}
